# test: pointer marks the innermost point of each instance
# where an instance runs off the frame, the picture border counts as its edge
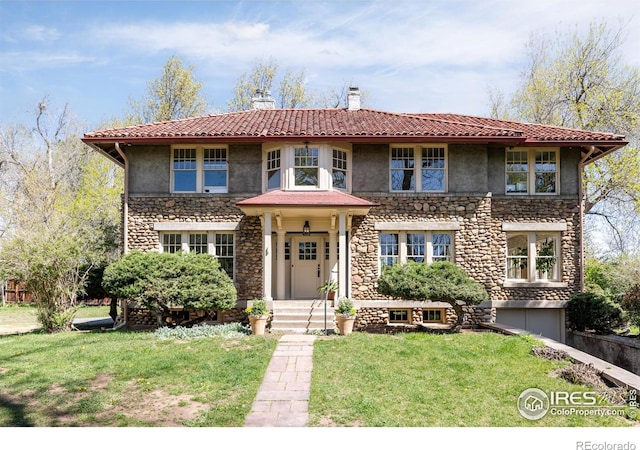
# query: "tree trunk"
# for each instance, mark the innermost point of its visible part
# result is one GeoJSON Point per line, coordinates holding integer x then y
{"type": "Point", "coordinates": [113, 309]}
{"type": "Point", "coordinates": [460, 316]}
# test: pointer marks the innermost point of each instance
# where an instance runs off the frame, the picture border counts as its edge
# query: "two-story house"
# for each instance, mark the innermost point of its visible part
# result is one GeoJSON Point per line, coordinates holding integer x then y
{"type": "Point", "coordinates": [287, 199]}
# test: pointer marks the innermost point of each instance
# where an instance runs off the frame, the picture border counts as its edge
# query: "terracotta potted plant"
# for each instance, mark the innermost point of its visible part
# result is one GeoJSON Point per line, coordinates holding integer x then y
{"type": "Point", "coordinates": [345, 316]}
{"type": "Point", "coordinates": [258, 316]}
{"type": "Point", "coordinates": [330, 287]}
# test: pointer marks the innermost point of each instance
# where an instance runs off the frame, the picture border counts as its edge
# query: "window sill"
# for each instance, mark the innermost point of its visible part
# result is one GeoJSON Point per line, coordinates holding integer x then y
{"type": "Point", "coordinates": [534, 284]}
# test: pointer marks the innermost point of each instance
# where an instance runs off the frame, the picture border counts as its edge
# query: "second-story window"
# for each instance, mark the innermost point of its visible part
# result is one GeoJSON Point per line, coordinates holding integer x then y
{"type": "Point", "coordinates": [199, 169]}
{"type": "Point", "coordinates": [339, 174]}
{"type": "Point", "coordinates": [215, 169]}
{"type": "Point", "coordinates": [416, 168]}
{"type": "Point", "coordinates": [306, 166]}
{"type": "Point", "coordinates": [184, 170]}
{"type": "Point", "coordinates": [273, 170]}
{"type": "Point", "coordinates": [531, 171]}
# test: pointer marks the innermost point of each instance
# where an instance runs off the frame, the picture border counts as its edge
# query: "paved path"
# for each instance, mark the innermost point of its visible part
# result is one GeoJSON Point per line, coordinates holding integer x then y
{"type": "Point", "coordinates": [283, 397]}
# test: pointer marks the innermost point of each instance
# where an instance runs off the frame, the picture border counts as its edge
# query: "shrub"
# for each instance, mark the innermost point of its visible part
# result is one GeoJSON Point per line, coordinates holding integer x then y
{"type": "Point", "coordinates": [227, 331]}
{"type": "Point", "coordinates": [156, 280]}
{"type": "Point", "coordinates": [439, 281]}
{"type": "Point", "coordinates": [631, 304]}
{"type": "Point", "coordinates": [591, 311]}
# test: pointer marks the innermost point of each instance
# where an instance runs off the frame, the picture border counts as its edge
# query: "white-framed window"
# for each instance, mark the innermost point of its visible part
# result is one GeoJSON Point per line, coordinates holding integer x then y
{"type": "Point", "coordinates": [221, 244]}
{"type": "Point", "coordinates": [197, 169]}
{"type": "Point", "coordinates": [302, 167]}
{"type": "Point", "coordinates": [339, 174]}
{"type": "Point", "coordinates": [397, 247]}
{"type": "Point", "coordinates": [274, 174]}
{"type": "Point", "coordinates": [533, 256]}
{"type": "Point", "coordinates": [532, 171]}
{"type": "Point", "coordinates": [418, 168]}
{"type": "Point", "coordinates": [306, 166]}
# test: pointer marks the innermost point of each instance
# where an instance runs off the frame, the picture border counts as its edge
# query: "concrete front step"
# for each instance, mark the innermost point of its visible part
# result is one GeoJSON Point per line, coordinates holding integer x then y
{"type": "Point", "coordinates": [300, 316]}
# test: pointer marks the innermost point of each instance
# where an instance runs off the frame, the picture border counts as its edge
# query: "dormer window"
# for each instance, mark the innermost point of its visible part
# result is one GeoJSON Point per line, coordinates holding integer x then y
{"type": "Point", "coordinates": [307, 167]}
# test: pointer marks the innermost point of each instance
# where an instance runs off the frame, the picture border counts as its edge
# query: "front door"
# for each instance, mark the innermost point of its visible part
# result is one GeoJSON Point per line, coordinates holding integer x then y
{"type": "Point", "coordinates": [306, 267]}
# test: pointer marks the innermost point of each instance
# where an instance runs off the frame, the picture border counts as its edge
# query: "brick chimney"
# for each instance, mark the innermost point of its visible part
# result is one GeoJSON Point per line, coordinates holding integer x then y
{"type": "Point", "coordinates": [353, 99]}
{"type": "Point", "coordinates": [263, 100]}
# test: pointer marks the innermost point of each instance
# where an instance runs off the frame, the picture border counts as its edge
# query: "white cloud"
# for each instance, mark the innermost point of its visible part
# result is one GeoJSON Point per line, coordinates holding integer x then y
{"type": "Point", "coordinates": [41, 33]}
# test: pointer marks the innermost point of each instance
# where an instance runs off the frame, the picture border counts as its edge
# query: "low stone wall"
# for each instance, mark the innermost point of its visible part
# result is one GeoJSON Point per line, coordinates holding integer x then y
{"type": "Point", "coordinates": [618, 350]}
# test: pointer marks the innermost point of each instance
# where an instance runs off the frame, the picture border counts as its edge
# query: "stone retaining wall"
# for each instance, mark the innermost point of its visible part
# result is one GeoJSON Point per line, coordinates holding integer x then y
{"type": "Point", "coordinates": [618, 350]}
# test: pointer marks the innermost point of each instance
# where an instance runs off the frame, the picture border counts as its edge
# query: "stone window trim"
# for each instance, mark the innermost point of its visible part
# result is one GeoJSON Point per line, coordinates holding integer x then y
{"type": "Point", "coordinates": [531, 233]}
{"type": "Point", "coordinates": [541, 164]}
{"type": "Point", "coordinates": [419, 161]}
{"type": "Point", "coordinates": [332, 165]}
{"type": "Point", "coordinates": [201, 161]}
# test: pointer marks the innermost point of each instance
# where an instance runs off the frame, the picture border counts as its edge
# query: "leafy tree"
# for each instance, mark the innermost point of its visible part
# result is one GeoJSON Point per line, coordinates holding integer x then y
{"type": "Point", "coordinates": [176, 94]}
{"type": "Point", "coordinates": [579, 81]}
{"type": "Point", "coordinates": [631, 304]}
{"type": "Point", "coordinates": [58, 209]}
{"type": "Point", "coordinates": [261, 77]}
{"type": "Point", "coordinates": [439, 281]}
{"type": "Point", "coordinates": [158, 280]}
{"type": "Point", "coordinates": [612, 277]}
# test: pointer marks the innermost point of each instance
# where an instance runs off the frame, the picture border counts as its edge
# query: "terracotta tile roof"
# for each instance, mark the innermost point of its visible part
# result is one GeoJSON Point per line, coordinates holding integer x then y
{"type": "Point", "coordinates": [306, 123]}
{"type": "Point", "coordinates": [306, 198]}
{"type": "Point", "coordinates": [362, 125]}
{"type": "Point", "coordinates": [531, 131]}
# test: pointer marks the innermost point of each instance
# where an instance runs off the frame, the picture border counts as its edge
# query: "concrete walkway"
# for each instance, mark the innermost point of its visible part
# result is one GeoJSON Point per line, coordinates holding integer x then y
{"type": "Point", "coordinates": [283, 397]}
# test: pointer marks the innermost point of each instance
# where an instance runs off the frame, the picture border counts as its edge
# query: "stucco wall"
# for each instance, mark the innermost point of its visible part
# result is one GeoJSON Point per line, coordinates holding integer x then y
{"type": "Point", "coordinates": [370, 168]}
{"type": "Point", "coordinates": [149, 169]}
{"type": "Point", "coordinates": [467, 168]}
{"type": "Point", "coordinates": [245, 168]}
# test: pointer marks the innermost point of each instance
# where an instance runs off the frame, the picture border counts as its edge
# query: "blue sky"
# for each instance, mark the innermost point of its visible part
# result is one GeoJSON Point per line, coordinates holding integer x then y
{"type": "Point", "coordinates": [430, 56]}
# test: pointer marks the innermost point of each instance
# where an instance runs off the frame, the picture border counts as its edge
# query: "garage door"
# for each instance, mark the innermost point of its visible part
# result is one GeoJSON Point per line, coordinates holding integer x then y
{"type": "Point", "coordinates": [544, 322]}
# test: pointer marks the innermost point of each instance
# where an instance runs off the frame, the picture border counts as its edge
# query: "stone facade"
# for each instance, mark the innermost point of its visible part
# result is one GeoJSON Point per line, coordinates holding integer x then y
{"type": "Point", "coordinates": [145, 210]}
{"type": "Point", "coordinates": [479, 243]}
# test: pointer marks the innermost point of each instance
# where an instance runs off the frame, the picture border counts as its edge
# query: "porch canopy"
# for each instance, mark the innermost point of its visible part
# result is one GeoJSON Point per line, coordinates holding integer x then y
{"type": "Point", "coordinates": [285, 212]}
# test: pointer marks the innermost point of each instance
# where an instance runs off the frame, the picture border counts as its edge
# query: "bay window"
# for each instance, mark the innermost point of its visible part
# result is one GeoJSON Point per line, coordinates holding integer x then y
{"type": "Point", "coordinates": [309, 167]}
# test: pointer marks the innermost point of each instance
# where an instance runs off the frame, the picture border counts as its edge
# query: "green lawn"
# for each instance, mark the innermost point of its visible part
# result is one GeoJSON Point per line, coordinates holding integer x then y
{"type": "Point", "coordinates": [129, 379]}
{"type": "Point", "coordinates": [418, 380]}
{"type": "Point", "coordinates": [23, 318]}
{"type": "Point", "coordinates": [407, 380]}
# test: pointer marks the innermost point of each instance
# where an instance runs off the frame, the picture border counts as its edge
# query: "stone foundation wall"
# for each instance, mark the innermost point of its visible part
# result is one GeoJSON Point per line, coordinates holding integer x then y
{"type": "Point", "coordinates": [376, 318]}
{"type": "Point", "coordinates": [144, 319]}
